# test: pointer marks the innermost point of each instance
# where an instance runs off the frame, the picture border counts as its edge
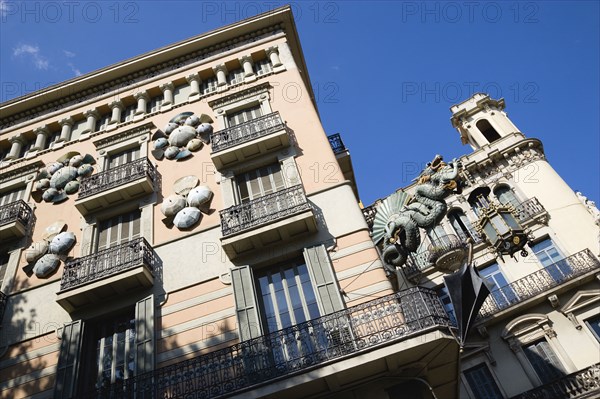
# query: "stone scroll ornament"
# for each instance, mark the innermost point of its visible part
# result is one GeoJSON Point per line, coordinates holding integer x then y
{"type": "Point", "coordinates": [400, 216]}
{"type": "Point", "coordinates": [44, 257]}
{"type": "Point", "coordinates": [57, 180]}
{"type": "Point", "coordinates": [184, 134]}
{"type": "Point", "coordinates": [183, 209]}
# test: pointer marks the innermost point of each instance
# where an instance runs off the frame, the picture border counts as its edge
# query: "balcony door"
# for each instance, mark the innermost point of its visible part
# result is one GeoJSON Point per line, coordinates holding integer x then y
{"type": "Point", "coordinates": [118, 230]}
{"type": "Point", "coordinates": [10, 196]}
{"type": "Point", "coordinates": [242, 116]}
{"type": "Point", "coordinates": [552, 260]}
{"type": "Point", "coordinates": [502, 293]}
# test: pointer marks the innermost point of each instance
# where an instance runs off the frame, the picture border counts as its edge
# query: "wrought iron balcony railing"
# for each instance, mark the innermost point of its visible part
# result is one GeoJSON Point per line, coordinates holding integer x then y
{"type": "Point", "coordinates": [529, 209]}
{"type": "Point", "coordinates": [3, 301]}
{"type": "Point", "coordinates": [290, 351]}
{"type": "Point", "coordinates": [17, 211]}
{"type": "Point", "coordinates": [117, 176]}
{"type": "Point", "coordinates": [247, 131]}
{"type": "Point", "coordinates": [369, 214]}
{"type": "Point", "coordinates": [108, 262]}
{"type": "Point", "coordinates": [337, 145]}
{"type": "Point", "coordinates": [263, 210]}
{"type": "Point", "coordinates": [539, 282]}
{"type": "Point", "coordinates": [581, 384]}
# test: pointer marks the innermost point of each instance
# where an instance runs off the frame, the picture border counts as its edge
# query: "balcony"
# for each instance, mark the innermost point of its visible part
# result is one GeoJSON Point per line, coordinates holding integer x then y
{"type": "Point", "coordinates": [106, 274]}
{"type": "Point", "coordinates": [581, 384]}
{"type": "Point", "coordinates": [531, 211]}
{"type": "Point", "coordinates": [536, 286]}
{"type": "Point", "coordinates": [116, 185]}
{"type": "Point", "coordinates": [343, 158]}
{"type": "Point", "coordinates": [267, 220]}
{"type": "Point", "coordinates": [15, 219]}
{"type": "Point", "coordinates": [341, 337]}
{"type": "Point", "coordinates": [247, 140]}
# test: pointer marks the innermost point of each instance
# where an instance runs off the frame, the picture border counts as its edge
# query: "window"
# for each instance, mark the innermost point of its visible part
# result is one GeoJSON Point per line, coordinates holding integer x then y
{"type": "Point", "coordinates": [479, 199]}
{"type": "Point", "coordinates": [287, 296]}
{"type": "Point", "coordinates": [78, 127]}
{"type": "Point", "coordinates": [103, 122]}
{"type": "Point", "coordinates": [593, 324]}
{"type": "Point", "coordinates": [123, 157]}
{"type": "Point", "coordinates": [482, 383]}
{"type": "Point", "coordinates": [118, 230]}
{"type": "Point", "coordinates": [235, 76]}
{"type": "Point", "coordinates": [209, 85]}
{"type": "Point", "coordinates": [437, 235]}
{"type": "Point", "coordinates": [442, 293]}
{"type": "Point", "coordinates": [25, 148]}
{"type": "Point", "coordinates": [128, 113]}
{"type": "Point", "coordinates": [543, 360]}
{"type": "Point", "coordinates": [259, 182]}
{"type": "Point", "coordinates": [4, 259]}
{"type": "Point", "coordinates": [461, 225]}
{"type": "Point", "coordinates": [154, 104]}
{"type": "Point", "coordinates": [487, 130]}
{"type": "Point", "coordinates": [13, 195]}
{"type": "Point", "coordinates": [506, 196]}
{"type": "Point", "coordinates": [262, 67]}
{"type": "Point", "coordinates": [552, 259]}
{"type": "Point", "coordinates": [110, 346]}
{"type": "Point", "coordinates": [181, 93]}
{"type": "Point", "coordinates": [502, 293]}
{"type": "Point", "coordinates": [245, 115]}
{"type": "Point", "coordinates": [109, 349]}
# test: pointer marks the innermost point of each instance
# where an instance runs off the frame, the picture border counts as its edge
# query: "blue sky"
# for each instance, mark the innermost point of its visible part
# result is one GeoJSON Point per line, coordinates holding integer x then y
{"type": "Point", "coordinates": [384, 73]}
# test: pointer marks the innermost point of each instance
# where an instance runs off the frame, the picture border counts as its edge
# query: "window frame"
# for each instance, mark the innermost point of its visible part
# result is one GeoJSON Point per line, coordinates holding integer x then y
{"type": "Point", "coordinates": [473, 393]}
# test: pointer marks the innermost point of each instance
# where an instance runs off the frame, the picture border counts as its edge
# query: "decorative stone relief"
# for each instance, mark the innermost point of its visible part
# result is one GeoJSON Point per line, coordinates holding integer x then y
{"type": "Point", "coordinates": [184, 134]}
{"type": "Point", "coordinates": [44, 257]}
{"type": "Point", "coordinates": [57, 180]}
{"type": "Point", "coordinates": [183, 209]}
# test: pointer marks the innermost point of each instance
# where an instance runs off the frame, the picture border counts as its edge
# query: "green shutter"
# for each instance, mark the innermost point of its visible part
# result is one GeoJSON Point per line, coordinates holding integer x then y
{"type": "Point", "coordinates": [144, 335]}
{"type": "Point", "coordinates": [321, 270]}
{"type": "Point", "coordinates": [245, 302]}
{"type": "Point", "coordinates": [68, 361]}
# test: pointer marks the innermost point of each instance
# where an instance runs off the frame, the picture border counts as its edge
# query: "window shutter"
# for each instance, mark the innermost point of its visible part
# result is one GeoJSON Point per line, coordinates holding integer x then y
{"type": "Point", "coordinates": [245, 302]}
{"type": "Point", "coordinates": [319, 265]}
{"type": "Point", "coordinates": [66, 370]}
{"type": "Point", "coordinates": [144, 335]}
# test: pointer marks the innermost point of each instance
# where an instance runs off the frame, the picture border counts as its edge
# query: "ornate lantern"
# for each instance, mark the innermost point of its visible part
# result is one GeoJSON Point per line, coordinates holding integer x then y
{"type": "Point", "coordinates": [499, 224]}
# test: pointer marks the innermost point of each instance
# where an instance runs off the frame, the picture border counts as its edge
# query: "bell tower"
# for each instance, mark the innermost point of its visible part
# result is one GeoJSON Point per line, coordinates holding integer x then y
{"type": "Point", "coordinates": [481, 120]}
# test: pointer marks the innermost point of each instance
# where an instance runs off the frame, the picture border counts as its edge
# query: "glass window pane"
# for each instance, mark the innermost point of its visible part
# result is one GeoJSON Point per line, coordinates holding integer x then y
{"type": "Point", "coordinates": [482, 383]}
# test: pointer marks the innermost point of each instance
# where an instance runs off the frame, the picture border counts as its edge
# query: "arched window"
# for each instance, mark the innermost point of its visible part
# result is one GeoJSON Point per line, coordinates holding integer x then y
{"type": "Point", "coordinates": [487, 130]}
{"type": "Point", "coordinates": [461, 225]}
{"type": "Point", "coordinates": [479, 199]}
{"type": "Point", "coordinates": [506, 196]}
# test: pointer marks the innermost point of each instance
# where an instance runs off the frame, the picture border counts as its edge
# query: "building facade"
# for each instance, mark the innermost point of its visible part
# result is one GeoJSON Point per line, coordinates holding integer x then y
{"type": "Point", "coordinates": [176, 225]}
{"type": "Point", "coordinates": [538, 333]}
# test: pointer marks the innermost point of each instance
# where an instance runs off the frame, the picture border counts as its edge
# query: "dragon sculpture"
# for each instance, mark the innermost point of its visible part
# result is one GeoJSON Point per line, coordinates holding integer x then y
{"type": "Point", "coordinates": [400, 216]}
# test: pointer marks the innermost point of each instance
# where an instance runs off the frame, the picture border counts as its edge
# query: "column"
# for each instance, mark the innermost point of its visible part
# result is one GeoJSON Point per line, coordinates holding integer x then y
{"type": "Point", "coordinates": [65, 131]}
{"type": "Point", "coordinates": [247, 64]}
{"type": "Point", "coordinates": [194, 81]}
{"type": "Point", "coordinates": [116, 107]}
{"type": "Point", "coordinates": [142, 98]}
{"type": "Point", "coordinates": [41, 136]}
{"type": "Point", "coordinates": [16, 145]}
{"type": "Point", "coordinates": [167, 89]}
{"type": "Point", "coordinates": [273, 55]}
{"type": "Point", "coordinates": [221, 72]}
{"type": "Point", "coordinates": [92, 116]}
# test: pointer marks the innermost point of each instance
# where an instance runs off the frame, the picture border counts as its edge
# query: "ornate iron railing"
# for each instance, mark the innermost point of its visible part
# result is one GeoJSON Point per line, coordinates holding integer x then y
{"type": "Point", "coordinates": [528, 210]}
{"type": "Point", "coordinates": [245, 132]}
{"type": "Point", "coordinates": [290, 351]}
{"type": "Point", "coordinates": [3, 301]}
{"type": "Point", "coordinates": [443, 245]}
{"type": "Point", "coordinates": [117, 176]}
{"type": "Point", "coordinates": [262, 210]}
{"type": "Point", "coordinates": [17, 211]}
{"type": "Point", "coordinates": [539, 282]}
{"type": "Point", "coordinates": [337, 145]}
{"type": "Point", "coordinates": [581, 384]}
{"type": "Point", "coordinates": [108, 262]}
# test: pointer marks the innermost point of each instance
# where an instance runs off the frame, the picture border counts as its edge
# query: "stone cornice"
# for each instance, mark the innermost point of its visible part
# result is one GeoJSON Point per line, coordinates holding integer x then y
{"type": "Point", "coordinates": [124, 135]}
{"type": "Point", "coordinates": [21, 171]}
{"type": "Point", "coordinates": [220, 102]}
{"type": "Point", "coordinates": [126, 81]}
